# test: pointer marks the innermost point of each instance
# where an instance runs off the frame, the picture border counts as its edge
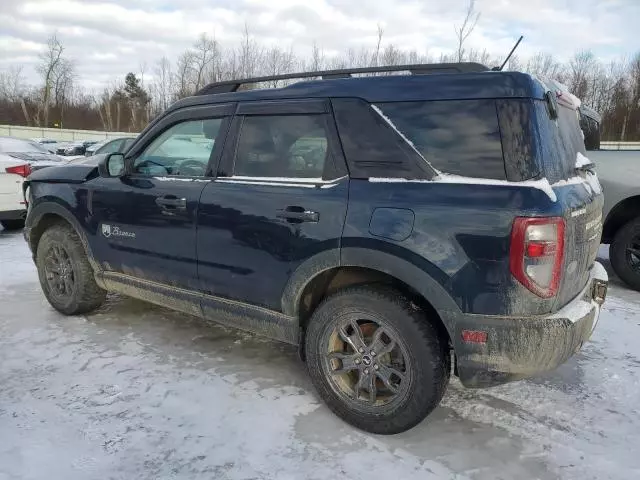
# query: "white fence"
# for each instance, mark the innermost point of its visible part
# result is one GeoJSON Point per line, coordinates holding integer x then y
{"type": "Point", "coordinates": [620, 145]}
{"type": "Point", "coordinates": [64, 135]}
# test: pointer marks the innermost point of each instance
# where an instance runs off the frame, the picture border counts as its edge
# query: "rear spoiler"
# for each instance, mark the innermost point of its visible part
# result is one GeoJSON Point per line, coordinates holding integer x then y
{"type": "Point", "coordinates": [563, 96]}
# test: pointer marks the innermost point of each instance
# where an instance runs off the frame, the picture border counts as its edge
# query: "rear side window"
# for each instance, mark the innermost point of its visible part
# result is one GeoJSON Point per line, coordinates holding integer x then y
{"type": "Point", "coordinates": [560, 141]}
{"type": "Point", "coordinates": [460, 137]}
{"type": "Point", "coordinates": [291, 146]}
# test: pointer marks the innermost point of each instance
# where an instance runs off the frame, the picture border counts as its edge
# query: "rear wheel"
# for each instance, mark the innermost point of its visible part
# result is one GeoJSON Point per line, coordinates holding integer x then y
{"type": "Point", "coordinates": [12, 224]}
{"type": "Point", "coordinates": [625, 253]}
{"type": "Point", "coordinates": [66, 277]}
{"type": "Point", "coordinates": [375, 360]}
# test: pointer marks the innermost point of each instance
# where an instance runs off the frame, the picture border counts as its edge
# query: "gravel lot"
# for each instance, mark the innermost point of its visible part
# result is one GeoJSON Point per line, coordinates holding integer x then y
{"type": "Point", "coordinates": [135, 391]}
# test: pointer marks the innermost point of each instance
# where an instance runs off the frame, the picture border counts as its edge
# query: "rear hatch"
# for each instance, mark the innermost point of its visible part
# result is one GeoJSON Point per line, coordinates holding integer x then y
{"type": "Point", "coordinates": [563, 161]}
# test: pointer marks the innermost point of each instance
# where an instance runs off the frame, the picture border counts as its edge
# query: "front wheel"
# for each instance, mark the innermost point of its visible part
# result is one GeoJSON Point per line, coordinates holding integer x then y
{"type": "Point", "coordinates": [376, 360]}
{"type": "Point", "coordinates": [65, 274]}
{"type": "Point", "coordinates": [625, 253]}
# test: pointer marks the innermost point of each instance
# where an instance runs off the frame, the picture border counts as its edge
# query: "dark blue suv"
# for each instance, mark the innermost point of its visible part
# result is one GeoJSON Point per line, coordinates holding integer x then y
{"type": "Point", "coordinates": [392, 226]}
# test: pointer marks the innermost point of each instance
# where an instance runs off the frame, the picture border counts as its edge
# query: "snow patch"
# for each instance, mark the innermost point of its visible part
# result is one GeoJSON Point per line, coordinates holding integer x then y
{"type": "Point", "coordinates": [594, 183]}
{"type": "Point", "coordinates": [397, 180]}
{"type": "Point", "coordinates": [281, 179]}
{"type": "Point", "coordinates": [590, 183]}
{"type": "Point", "coordinates": [582, 161]}
{"type": "Point", "coordinates": [542, 184]}
{"type": "Point", "coordinates": [181, 179]}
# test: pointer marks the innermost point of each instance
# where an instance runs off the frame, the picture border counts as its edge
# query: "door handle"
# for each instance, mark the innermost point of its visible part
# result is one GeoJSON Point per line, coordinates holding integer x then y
{"type": "Point", "coordinates": [172, 203]}
{"type": "Point", "coordinates": [298, 215]}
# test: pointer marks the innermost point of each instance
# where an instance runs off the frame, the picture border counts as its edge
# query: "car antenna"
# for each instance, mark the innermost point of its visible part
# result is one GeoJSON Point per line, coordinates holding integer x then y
{"type": "Point", "coordinates": [499, 69]}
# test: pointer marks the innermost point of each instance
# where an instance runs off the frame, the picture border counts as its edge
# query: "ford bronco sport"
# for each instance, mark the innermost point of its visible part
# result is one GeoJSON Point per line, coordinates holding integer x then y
{"type": "Point", "coordinates": [392, 226]}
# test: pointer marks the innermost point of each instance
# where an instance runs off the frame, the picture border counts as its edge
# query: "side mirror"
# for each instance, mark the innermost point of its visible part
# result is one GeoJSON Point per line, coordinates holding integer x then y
{"type": "Point", "coordinates": [112, 165]}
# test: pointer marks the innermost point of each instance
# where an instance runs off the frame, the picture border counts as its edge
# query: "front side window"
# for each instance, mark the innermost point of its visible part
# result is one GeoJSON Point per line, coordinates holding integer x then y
{"type": "Point", "coordinates": [460, 137]}
{"type": "Point", "coordinates": [286, 146]}
{"type": "Point", "coordinates": [183, 149]}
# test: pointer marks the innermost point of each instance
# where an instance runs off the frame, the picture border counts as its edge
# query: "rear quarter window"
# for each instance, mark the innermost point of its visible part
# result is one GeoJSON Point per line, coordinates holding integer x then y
{"type": "Point", "coordinates": [560, 140]}
{"type": "Point", "coordinates": [460, 137]}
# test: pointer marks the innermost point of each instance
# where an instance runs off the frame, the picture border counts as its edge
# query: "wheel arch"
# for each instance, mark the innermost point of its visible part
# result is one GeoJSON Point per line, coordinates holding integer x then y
{"type": "Point", "coordinates": [623, 212]}
{"type": "Point", "coordinates": [46, 214]}
{"type": "Point", "coordinates": [321, 276]}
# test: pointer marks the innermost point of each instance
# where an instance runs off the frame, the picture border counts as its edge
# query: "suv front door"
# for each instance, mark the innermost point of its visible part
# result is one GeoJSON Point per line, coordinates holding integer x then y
{"type": "Point", "coordinates": [146, 220]}
{"type": "Point", "coordinates": [280, 198]}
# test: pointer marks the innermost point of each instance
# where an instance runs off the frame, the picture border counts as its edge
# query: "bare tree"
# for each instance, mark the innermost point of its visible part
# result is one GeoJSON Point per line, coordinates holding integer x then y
{"type": "Point", "coordinates": [50, 60]}
{"type": "Point", "coordinates": [202, 57]}
{"type": "Point", "coordinates": [544, 65]}
{"type": "Point", "coordinates": [183, 75]}
{"type": "Point", "coordinates": [392, 56]}
{"type": "Point", "coordinates": [12, 83]}
{"type": "Point", "coordinates": [468, 25]}
{"type": "Point", "coordinates": [277, 62]}
{"type": "Point", "coordinates": [376, 56]}
{"type": "Point", "coordinates": [62, 87]}
{"type": "Point", "coordinates": [251, 54]}
{"type": "Point", "coordinates": [163, 84]}
{"type": "Point", "coordinates": [317, 58]}
{"type": "Point", "coordinates": [613, 89]}
{"type": "Point", "coordinates": [581, 67]}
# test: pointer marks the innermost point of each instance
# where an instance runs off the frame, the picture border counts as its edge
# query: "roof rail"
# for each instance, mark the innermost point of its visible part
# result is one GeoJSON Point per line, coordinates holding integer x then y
{"type": "Point", "coordinates": [418, 69]}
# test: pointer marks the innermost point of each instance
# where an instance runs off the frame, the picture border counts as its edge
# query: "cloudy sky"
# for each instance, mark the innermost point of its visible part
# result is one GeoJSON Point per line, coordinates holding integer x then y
{"type": "Point", "coordinates": [107, 38]}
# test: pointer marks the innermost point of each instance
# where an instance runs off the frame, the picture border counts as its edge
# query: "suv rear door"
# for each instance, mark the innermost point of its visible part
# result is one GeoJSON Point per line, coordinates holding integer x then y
{"type": "Point", "coordinates": [561, 155]}
{"type": "Point", "coordinates": [146, 220]}
{"type": "Point", "coordinates": [279, 199]}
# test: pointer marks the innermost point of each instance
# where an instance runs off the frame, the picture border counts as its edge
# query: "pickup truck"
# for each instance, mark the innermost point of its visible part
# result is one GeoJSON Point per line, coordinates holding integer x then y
{"type": "Point", "coordinates": [619, 175]}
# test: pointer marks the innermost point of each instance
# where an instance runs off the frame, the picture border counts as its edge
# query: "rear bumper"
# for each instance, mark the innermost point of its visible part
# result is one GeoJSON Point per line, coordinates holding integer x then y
{"type": "Point", "coordinates": [521, 347]}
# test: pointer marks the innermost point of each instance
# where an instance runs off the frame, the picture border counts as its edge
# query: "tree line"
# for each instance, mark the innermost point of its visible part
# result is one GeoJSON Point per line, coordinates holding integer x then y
{"type": "Point", "coordinates": [127, 105]}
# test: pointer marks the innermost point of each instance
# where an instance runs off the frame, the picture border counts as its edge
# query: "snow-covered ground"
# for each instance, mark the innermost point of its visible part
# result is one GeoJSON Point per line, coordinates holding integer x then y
{"type": "Point", "coordinates": [138, 392]}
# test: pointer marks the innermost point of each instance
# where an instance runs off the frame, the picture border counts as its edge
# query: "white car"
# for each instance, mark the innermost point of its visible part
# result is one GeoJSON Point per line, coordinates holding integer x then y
{"type": "Point", "coordinates": [18, 158]}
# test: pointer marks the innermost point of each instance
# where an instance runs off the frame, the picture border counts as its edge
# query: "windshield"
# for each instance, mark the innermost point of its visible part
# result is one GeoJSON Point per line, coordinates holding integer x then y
{"type": "Point", "coordinates": [16, 145]}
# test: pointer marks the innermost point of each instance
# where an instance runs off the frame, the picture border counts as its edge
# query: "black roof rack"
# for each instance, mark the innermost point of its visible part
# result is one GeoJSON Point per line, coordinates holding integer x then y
{"type": "Point", "coordinates": [418, 69]}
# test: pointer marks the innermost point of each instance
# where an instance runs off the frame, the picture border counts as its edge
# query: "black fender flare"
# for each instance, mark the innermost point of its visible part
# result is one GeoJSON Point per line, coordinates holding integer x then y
{"type": "Point", "coordinates": [37, 212]}
{"type": "Point", "coordinates": [402, 269]}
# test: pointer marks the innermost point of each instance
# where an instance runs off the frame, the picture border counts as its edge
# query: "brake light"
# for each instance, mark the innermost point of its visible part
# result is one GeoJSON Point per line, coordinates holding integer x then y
{"type": "Point", "coordinates": [22, 170]}
{"type": "Point", "coordinates": [537, 251]}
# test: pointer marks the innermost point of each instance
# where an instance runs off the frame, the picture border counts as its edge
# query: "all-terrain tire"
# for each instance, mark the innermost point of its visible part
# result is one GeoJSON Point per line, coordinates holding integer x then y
{"type": "Point", "coordinates": [427, 353]}
{"type": "Point", "coordinates": [84, 295]}
{"type": "Point", "coordinates": [623, 239]}
{"type": "Point", "coordinates": [12, 224]}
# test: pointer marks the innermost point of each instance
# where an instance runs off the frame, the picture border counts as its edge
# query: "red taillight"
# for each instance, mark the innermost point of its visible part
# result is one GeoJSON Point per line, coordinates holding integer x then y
{"type": "Point", "coordinates": [537, 251]}
{"type": "Point", "coordinates": [22, 170]}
